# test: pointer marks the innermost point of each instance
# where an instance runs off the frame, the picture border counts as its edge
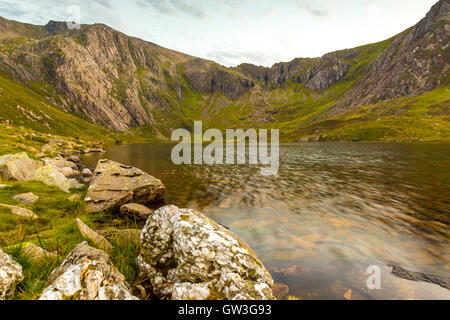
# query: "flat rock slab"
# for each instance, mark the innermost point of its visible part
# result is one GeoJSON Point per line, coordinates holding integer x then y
{"type": "Point", "coordinates": [134, 210]}
{"type": "Point", "coordinates": [26, 198]}
{"type": "Point", "coordinates": [96, 238]}
{"type": "Point", "coordinates": [10, 276]}
{"type": "Point", "coordinates": [87, 274]}
{"type": "Point", "coordinates": [19, 211]}
{"type": "Point", "coordinates": [114, 185]}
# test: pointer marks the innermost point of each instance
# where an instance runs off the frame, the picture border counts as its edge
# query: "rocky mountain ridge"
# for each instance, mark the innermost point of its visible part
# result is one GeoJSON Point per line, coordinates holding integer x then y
{"type": "Point", "coordinates": [123, 82]}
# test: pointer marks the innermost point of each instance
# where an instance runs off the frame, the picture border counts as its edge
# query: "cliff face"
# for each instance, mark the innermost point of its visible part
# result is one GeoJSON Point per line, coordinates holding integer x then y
{"type": "Point", "coordinates": [123, 82]}
{"type": "Point", "coordinates": [415, 62]}
{"type": "Point", "coordinates": [109, 77]}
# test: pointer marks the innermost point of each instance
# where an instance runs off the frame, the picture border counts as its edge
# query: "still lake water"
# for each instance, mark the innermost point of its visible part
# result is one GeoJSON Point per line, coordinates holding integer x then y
{"type": "Point", "coordinates": [333, 210]}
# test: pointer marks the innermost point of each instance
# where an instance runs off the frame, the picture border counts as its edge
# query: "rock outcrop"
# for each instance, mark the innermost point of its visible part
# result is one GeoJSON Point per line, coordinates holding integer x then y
{"type": "Point", "coordinates": [188, 256]}
{"type": "Point", "coordinates": [17, 167]}
{"type": "Point", "coordinates": [52, 176]}
{"type": "Point", "coordinates": [10, 276]}
{"type": "Point", "coordinates": [115, 184]}
{"type": "Point", "coordinates": [87, 274]}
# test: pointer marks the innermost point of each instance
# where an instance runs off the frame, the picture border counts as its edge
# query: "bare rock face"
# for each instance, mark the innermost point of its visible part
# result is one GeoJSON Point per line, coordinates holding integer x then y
{"type": "Point", "coordinates": [188, 256]}
{"type": "Point", "coordinates": [17, 167]}
{"type": "Point", "coordinates": [136, 211]}
{"type": "Point", "coordinates": [114, 185]}
{"type": "Point", "coordinates": [87, 274]}
{"type": "Point", "coordinates": [10, 276]}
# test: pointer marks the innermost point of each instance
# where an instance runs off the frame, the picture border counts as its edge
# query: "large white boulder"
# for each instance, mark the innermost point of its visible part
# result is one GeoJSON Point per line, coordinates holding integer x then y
{"type": "Point", "coordinates": [87, 274]}
{"type": "Point", "coordinates": [10, 276]}
{"type": "Point", "coordinates": [188, 256]}
{"type": "Point", "coordinates": [51, 176]}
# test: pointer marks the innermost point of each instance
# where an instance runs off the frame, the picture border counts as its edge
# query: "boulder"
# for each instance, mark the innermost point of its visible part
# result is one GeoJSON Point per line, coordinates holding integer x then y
{"type": "Point", "coordinates": [17, 167]}
{"type": "Point", "coordinates": [67, 168]}
{"type": "Point", "coordinates": [10, 276]}
{"type": "Point", "coordinates": [86, 173]}
{"type": "Point", "coordinates": [187, 256]}
{"type": "Point", "coordinates": [74, 197]}
{"type": "Point", "coordinates": [74, 159]}
{"type": "Point", "coordinates": [96, 238]}
{"type": "Point", "coordinates": [114, 185]}
{"type": "Point", "coordinates": [87, 274]}
{"type": "Point", "coordinates": [26, 198]}
{"type": "Point", "coordinates": [19, 211]}
{"type": "Point", "coordinates": [52, 177]}
{"type": "Point", "coordinates": [280, 290]}
{"type": "Point", "coordinates": [134, 210]}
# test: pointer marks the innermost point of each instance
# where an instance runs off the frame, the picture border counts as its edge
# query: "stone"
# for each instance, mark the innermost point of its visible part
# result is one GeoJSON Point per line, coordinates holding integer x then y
{"type": "Point", "coordinates": [280, 290]}
{"type": "Point", "coordinates": [187, 256]}
{"type": "Point", "coordinates": [19, 211]}
{"type": "Point", "coordinates": [74, 159]}
{"type": "Point", "coordinates": [17, 167]}
{"type": "Point", "coordinates": [74, 197]}
{"type": "Point", "coordinates": [114, 185]}
{"type": "Point", "coordinates": [134, 210]}
{"type": "Point", "coordinates": [52, 177]}
{"type": "Point", "coordinates": [33, 251]}
{"type": "Point", "coordinates": [26, 198]}
{"type": "Point", "coordinates": [40, 155]}
{"type": "Point", "coordinates": [3, 186]}
{"type": "Point", "coordinates": [86, 173]}
{"type": "Point", "coordinates": [121, 234]}
{"type": "Point", "coordinates": [10, 276]}
{"type": "Point", "coordinates": [87, 274]}
{"type": "Point", "coordinates": [96, 238]}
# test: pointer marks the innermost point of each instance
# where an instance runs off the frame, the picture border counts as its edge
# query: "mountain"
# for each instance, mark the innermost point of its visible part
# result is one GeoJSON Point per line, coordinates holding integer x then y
{"type": "Point", "coordinates": [393, 90]}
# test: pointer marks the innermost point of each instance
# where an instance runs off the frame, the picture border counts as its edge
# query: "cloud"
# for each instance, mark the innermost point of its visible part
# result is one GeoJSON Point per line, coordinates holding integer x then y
{"type": "Point", "coordinates": [305, 6]}
{"type": "Point", "coordinates": [104, 3]}
{"type": "Point", "coordinates": [173, 7]}
{"type": "Point", "coordinates": [232, 57]}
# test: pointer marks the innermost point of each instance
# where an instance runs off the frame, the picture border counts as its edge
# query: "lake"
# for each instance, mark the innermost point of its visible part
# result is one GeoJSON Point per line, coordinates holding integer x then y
{"type": "Point", "coordinates": [333, 210]}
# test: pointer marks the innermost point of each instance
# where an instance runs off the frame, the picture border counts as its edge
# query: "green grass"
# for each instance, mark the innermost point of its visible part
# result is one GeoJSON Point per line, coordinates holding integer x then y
{"type": "Point", "coordinates": [56, 231]}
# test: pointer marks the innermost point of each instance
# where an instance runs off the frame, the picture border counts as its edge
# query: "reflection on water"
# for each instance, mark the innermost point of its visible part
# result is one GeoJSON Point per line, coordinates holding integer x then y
{"type": "Point", "coordinates": [332, 211]}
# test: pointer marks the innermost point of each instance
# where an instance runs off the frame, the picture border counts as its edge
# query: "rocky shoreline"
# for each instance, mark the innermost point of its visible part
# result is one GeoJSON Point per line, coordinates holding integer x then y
{"type": "Point", "coordinates": [183, 255]}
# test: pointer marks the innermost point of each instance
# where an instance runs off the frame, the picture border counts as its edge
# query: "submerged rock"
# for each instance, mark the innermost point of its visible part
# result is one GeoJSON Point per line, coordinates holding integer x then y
{"type": "Point", "coordinates": [19, 211]}
{"type": "Point", "coordinates": [87, 274]}
{"type": "Point", "coordinates": [53, 177]}
{"type": "Point", "coordinates": [280, 290]}
{"type": "Point", "coordinates": [114, 185]}
{"type": "Point", "coordinates": [134, 210]}
{"type": "Point", "coordinates": [26, 198]}
{"type": "Point", "coordinates": [17, 167]}
{"type": "Point", "coordinates": [10, 276]}
{"type": "Point", "coordinates": [96, 238]}
{"type": "Point", "coordinates": [186, 255]}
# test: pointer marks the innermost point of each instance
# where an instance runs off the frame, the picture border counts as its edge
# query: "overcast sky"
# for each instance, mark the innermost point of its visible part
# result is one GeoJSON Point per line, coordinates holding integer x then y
{"type": "Point", "coordinates": [230, 32]}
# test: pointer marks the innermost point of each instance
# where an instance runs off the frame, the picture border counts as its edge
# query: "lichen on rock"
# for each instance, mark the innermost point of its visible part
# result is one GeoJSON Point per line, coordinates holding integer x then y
{"type": "Point", "coordinates": [115, 184]}
{"type": "Point", "coordinates": [87, 274]}
{"type": "Point", "coordinates": [10, 276]}
{"type": "Point", "coordinates": [188, 256]}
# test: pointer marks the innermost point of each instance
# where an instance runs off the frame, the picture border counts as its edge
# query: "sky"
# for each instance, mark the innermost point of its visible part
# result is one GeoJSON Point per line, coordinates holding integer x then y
{"type": "Point", "coordinates": [230, 32]}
